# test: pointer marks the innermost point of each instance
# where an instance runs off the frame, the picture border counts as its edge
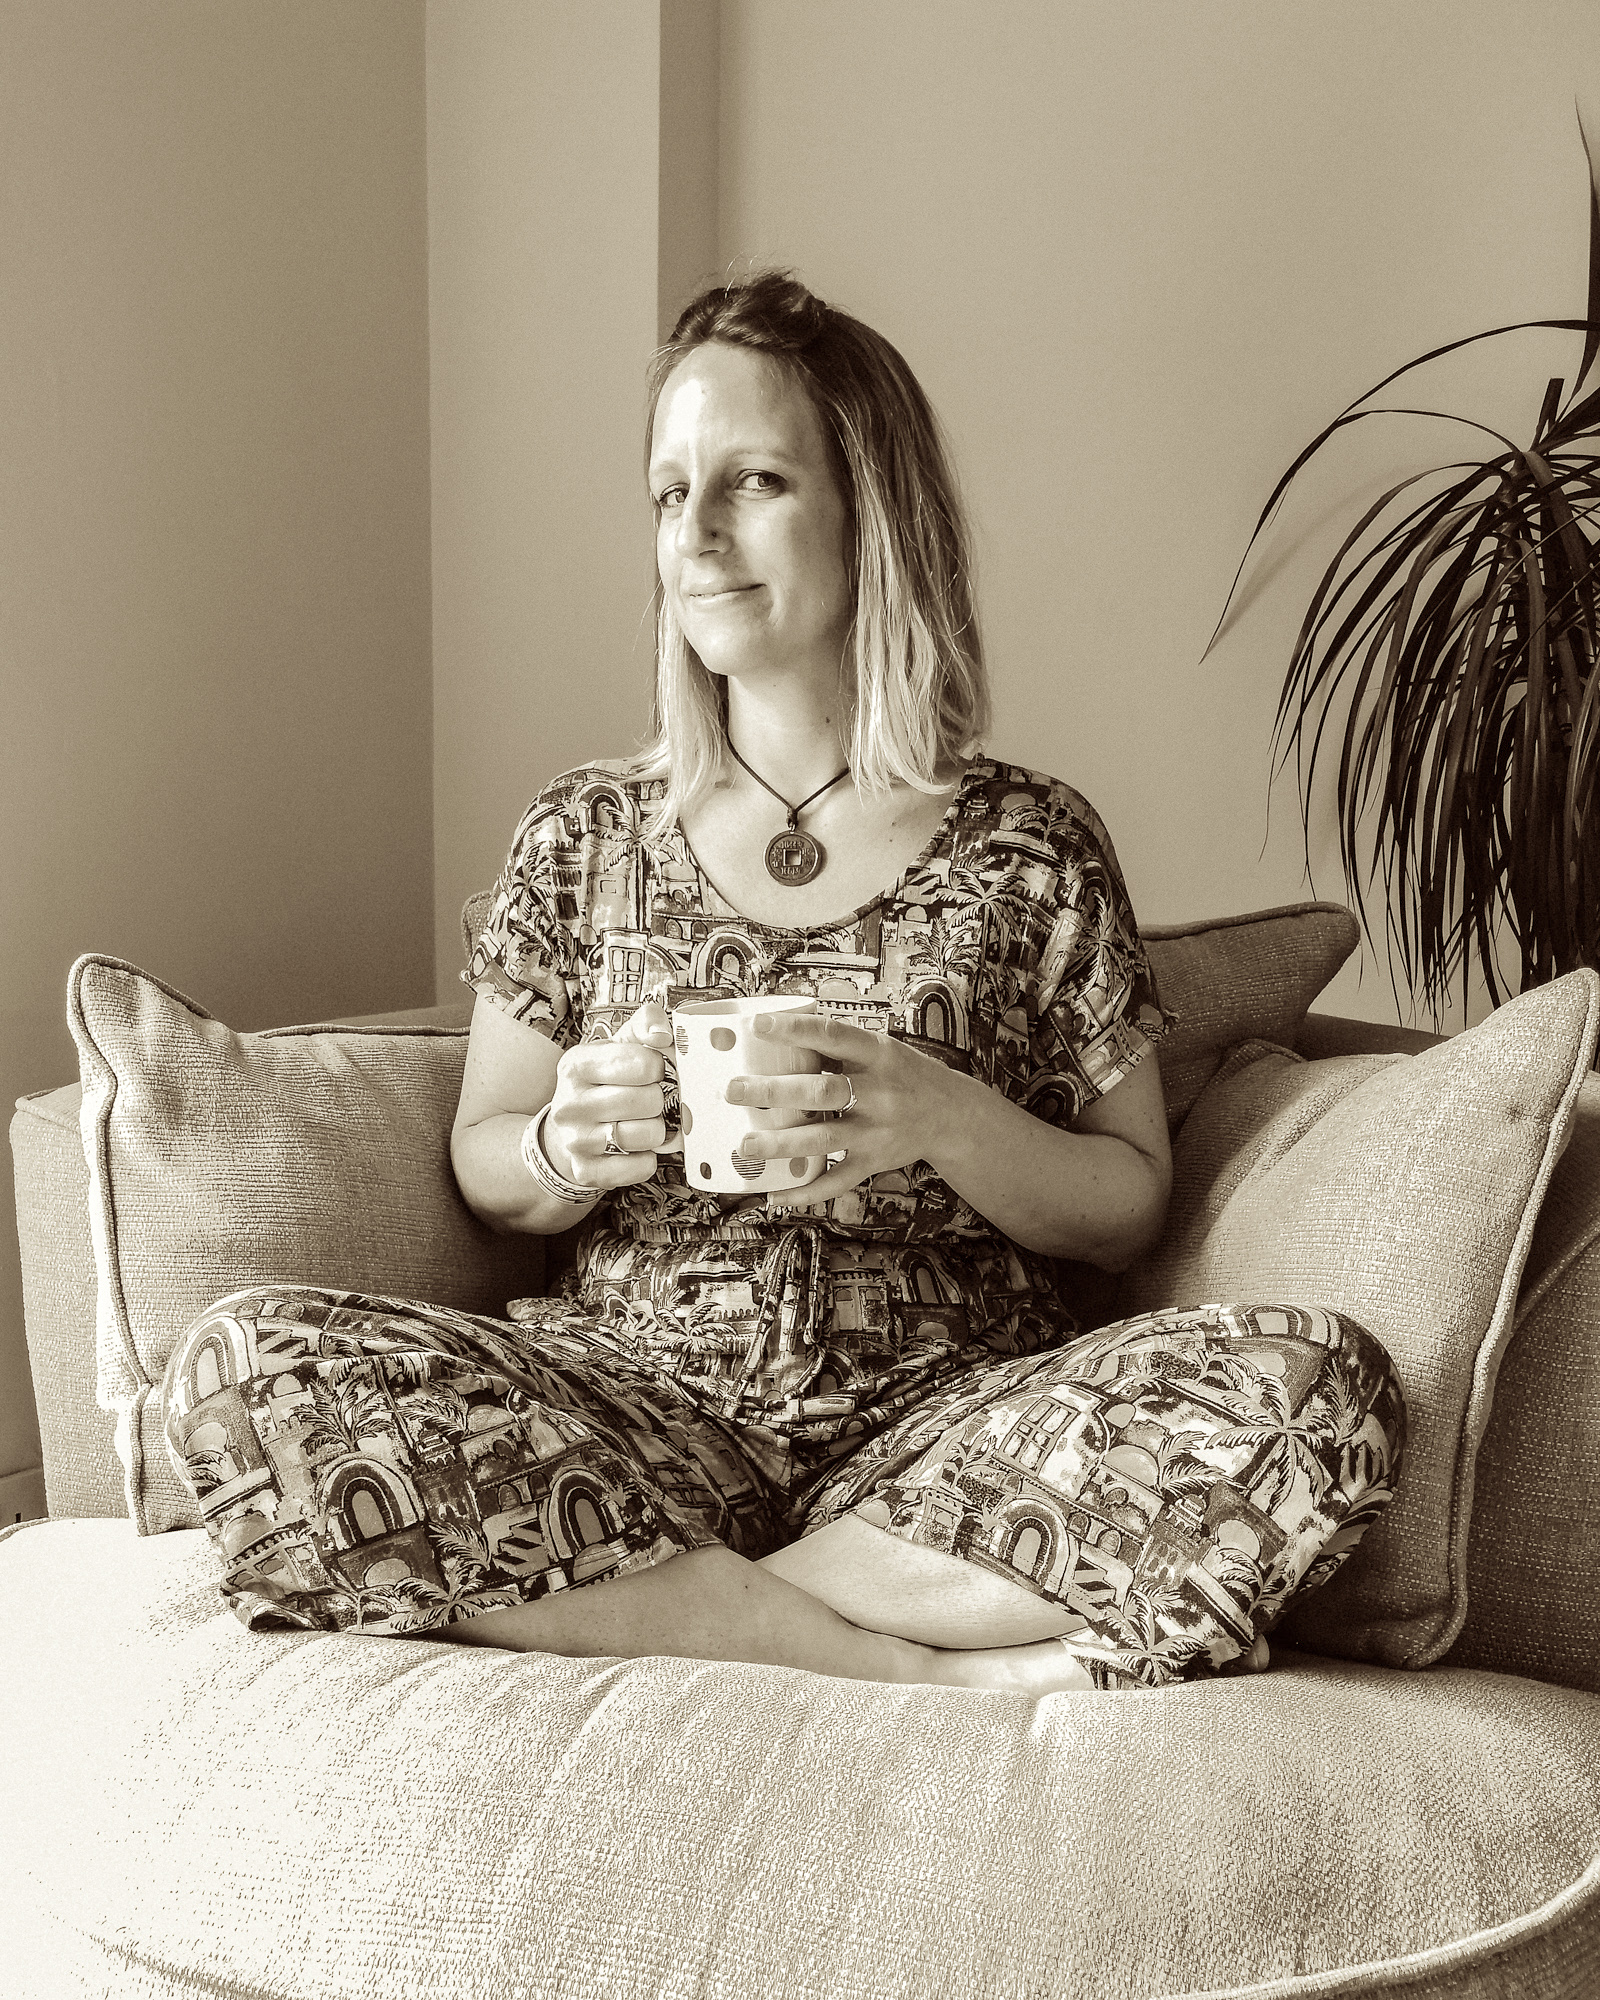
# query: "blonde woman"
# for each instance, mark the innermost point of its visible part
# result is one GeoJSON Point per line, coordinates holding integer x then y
{"type": "Point", "coordinates": [860, 1430]}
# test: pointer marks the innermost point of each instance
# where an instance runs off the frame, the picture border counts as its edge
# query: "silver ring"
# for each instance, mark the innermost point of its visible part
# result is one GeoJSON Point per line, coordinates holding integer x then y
{"type": "Point", "coordinates": [849, 1105]}
{"type": "Point", "coordinates": [611, 1139]}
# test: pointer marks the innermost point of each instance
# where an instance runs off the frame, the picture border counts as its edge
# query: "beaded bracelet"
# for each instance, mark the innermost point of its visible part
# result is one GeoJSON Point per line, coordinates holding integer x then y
{"type": "Point", "coordinates": [537, 1162]}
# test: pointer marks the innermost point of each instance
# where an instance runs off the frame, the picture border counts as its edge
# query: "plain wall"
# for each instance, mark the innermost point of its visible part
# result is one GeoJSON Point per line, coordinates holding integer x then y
{"type": "Point", "coordinates": [214, 626]}
{"type": "Point", "coordinates": [1139, 256]}
{"type": "Point", "coordinates": [543, 218]}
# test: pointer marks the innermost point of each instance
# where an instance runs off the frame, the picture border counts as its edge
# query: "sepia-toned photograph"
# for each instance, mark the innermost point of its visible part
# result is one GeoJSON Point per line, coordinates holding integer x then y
{"type": "Point", "coordinates": [801, 966]}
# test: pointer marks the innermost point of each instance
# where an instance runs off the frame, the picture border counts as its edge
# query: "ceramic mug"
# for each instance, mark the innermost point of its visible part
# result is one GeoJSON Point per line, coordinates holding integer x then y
{"type": "Point", "coordinates": [713, 1042]}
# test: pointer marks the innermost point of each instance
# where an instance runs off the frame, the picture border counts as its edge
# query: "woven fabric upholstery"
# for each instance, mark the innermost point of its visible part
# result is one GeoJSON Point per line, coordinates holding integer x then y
{"type": "Point", "coordinates": [1402, 1190]}
{"type": "Point", "coordinates": [1234, 979]}
{"type": "Point", "coordinates": [187, 1809]}
{"type": "Point", "coordinates": [219, 1160]}
{"type": "Point", "coordinates": [81, 1473]}
{"type": "Point", "coordinates": [1533, 1559]}
{"type": "Point", "coordinates": [1227, 979]}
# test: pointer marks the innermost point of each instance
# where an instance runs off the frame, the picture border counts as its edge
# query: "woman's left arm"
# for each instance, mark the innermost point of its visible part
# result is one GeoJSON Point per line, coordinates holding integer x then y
{"type": "Point", "coordinates": [1097, 1192]}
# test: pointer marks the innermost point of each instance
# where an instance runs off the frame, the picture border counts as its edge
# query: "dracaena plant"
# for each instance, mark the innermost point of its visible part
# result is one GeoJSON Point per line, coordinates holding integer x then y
{"type": "Point", "coordinates": [1450, 653]}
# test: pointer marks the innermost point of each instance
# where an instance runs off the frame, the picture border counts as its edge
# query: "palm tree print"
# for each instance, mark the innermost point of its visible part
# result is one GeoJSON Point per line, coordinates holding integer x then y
{"type": "Point", "coordinates": [1145, 1652]}
{"type": "Point", "coordinates": [418, 1606]}
{"type": "Point", "coordinates": [342, 1422]}
{"type": "Point", "coordinates": [1290, 1445]}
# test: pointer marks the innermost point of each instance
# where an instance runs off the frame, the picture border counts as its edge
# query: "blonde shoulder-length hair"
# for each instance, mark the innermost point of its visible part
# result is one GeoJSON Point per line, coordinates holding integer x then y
{"type": "Point", "coordinates": [913, 680]}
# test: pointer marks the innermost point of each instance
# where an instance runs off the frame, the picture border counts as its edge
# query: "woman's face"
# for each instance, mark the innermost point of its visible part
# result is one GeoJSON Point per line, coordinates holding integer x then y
{"type": "Point", "coordinates": [750, 541]}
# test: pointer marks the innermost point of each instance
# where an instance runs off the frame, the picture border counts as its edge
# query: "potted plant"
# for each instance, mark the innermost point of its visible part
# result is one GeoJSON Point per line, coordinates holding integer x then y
{"type": "Point", "coordinates": [1459, 643]}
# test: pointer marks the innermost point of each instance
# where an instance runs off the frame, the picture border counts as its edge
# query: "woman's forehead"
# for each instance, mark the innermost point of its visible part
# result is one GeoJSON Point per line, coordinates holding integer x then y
{"type": "Point", "coordinates": [730, 396]}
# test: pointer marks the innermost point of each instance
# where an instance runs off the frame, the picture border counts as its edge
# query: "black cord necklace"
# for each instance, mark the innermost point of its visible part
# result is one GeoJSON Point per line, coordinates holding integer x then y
{"type": "Point", "coordinates": [793, 857]}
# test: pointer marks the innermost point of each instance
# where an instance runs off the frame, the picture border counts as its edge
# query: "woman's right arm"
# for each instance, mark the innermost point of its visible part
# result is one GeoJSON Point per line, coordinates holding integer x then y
{"type": "Point", "coordinates": [512, 1072]}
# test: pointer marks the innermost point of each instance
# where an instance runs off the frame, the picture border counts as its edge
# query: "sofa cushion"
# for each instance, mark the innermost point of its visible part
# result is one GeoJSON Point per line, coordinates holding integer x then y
{"type": "Point", "coordinates": [1223, 979]}
{"type": "Point", "coordinates": [1402, 1190]}
{"type": "Point", "coordinates": [189, 1810]}
{"type": "Point", "coordinates": [1235, 979]}
{"type": "Point", "coordinates": [218, 1160]}
{"type": "Point", "coordinates": [1533, 1558]}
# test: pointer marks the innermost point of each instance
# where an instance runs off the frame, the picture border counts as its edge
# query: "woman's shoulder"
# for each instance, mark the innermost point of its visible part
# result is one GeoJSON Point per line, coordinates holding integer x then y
{"type": "Point", "coordinates": [602, 777]}
{"type": "Point", "coordinates": [1018, 798]}
{"type": "Point", "coordinates": [609, 793]}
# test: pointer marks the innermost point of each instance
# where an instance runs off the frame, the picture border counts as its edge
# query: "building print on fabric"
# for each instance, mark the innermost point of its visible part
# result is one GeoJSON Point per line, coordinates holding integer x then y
{"type": "Point", "coordinates": [1014, 903]}
{"type": "Point", "coordinates": [1008, 950]}
{"type": "Point", "coordinates": [391, 1466]}
{"type": "Point", "coordinates": [1171, 1480]}
{"type": "Point", "coordinates": [339, 1463]}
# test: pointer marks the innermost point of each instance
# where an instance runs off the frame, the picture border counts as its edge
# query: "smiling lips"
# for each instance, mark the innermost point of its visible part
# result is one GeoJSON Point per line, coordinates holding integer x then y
{"type": "Point", "coordinates": [721, 596]}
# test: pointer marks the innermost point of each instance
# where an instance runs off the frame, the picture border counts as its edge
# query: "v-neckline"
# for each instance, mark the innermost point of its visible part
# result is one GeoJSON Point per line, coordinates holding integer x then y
{"type": "Point", "coordinates": [920, 860]}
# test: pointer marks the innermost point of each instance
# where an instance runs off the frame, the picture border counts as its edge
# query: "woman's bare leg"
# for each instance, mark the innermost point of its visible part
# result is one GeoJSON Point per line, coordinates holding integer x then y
{"type": "Point", "coordinates": [850, 1601]}
{"type": "Point", "coordinates": [714, 1605]}
{"type": "Point", "coordinates": [874, 1578]}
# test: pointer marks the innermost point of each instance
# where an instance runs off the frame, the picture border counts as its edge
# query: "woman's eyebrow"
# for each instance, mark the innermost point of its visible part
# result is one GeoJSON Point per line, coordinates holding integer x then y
{"type": "Point", "coordinates": [760, 451]}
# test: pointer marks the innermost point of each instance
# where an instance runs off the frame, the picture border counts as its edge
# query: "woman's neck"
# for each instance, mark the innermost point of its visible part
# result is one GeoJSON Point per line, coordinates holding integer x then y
{"type": "Point", "coordinates": [794, 748]}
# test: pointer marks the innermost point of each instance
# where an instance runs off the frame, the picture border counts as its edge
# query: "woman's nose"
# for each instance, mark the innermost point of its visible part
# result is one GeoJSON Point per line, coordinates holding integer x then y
{"type": "Point", "coordinates": [702, 523]}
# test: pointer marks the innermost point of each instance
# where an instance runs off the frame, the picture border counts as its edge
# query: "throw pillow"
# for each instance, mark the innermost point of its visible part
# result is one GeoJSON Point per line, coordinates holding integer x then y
{"type": "Point", "coordinates": [1226, 979]}
{"type": "Point", "coordinates": [318, 1155]}
{"type": "Point", "coordinates": [1402, 1190]}
{"type": "Point", "coordinates": [1232, 979]}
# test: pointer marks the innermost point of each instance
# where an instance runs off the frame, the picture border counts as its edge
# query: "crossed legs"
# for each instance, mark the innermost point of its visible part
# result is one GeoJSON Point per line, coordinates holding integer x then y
{"type": "Point", "coordinates": [849, 1600]}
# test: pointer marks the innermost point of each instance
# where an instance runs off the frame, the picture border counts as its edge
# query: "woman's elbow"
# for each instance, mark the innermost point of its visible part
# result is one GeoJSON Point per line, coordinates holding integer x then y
{"type": "Point", "coordinates": [1139, 1228]}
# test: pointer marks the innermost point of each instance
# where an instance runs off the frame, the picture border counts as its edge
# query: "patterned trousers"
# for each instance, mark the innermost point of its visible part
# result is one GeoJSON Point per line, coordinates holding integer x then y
{"type": "Point", "coordinates": [388, 1466]}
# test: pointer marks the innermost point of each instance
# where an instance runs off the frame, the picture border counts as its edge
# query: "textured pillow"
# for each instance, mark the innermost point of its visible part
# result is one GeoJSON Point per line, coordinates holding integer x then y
{"type": "Point", "coordinates": [1227, 979]}
{"type": "Point", "coordinates": [1236, 979]}
{"type": "Point", "coordinates": [216, 1160]}
{"type": "Point", "coordinates": [1402, 1190]}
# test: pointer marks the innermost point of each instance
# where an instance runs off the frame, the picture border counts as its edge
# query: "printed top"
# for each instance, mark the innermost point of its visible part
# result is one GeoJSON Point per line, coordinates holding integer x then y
{"type": "Point", "coordinates": [1007, 949]}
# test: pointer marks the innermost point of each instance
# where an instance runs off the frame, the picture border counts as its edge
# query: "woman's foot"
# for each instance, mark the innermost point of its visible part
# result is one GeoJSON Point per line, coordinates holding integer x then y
{"type": "Point", "coordinates": [1050, 1667]}
{"type": "Point", "coordinates": [1047, 1667]}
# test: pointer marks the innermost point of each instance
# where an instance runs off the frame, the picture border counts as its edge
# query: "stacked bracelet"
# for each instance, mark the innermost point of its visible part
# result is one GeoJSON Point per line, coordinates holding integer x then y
{"type": "Point", "coordinates": [537, 1162]}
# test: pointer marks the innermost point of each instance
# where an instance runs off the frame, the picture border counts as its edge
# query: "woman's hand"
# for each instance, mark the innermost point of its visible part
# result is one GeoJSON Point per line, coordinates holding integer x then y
{"type": "Point", "coordinates": [900, 1113]}
{"type": "Point", "coordinates": [614, 1087]}
{"type": "Point", "coordinates": [1096, 1191]}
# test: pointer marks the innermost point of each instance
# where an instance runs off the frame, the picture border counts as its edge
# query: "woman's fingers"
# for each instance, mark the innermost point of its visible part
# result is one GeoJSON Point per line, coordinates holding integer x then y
{"type": "Point", "coordinates": [586, 1116]}
{"type": "Point", "coordinates": [617, 1062]}
{"type": "Point", "coordinates": [822, 1092]}
{"type": "Point", "coordinates": [792, 1141]}
{"type": "Point", "coordinates": [825, 1033]}
{"type": "Point", "coordinates": [634, 1135]}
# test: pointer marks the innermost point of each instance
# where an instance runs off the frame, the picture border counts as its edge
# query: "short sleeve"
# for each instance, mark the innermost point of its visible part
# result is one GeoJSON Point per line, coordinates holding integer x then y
{"type": "Point", "coordinates": [527, 959]}
{"type": "Point", "coordinates": [1096, 1008]}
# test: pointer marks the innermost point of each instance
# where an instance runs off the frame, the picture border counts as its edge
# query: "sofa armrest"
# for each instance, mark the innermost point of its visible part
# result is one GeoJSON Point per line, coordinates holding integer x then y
{"type": "Point", "coordinates": [453, 1014]}
{"type": "Point", "coordinates": [82, 1475]}
{"type": "Point", "coordinates": [1333, 1035]}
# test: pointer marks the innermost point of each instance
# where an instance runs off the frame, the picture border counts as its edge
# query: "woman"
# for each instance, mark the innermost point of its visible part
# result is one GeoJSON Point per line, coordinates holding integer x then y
{"type": "Point", "coordinates": [853, 1431]}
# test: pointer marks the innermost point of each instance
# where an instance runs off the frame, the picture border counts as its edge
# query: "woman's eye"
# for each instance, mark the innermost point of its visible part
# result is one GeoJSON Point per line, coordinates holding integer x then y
{"type": "Point", "coordinates": [769, 482]}
{"type": "Point", "coordinates": [673, 497]}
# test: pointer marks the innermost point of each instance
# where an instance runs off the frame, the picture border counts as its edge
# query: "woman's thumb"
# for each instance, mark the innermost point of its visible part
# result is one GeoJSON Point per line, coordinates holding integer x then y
{"type": "Point", "coordinates": [649, 1024]}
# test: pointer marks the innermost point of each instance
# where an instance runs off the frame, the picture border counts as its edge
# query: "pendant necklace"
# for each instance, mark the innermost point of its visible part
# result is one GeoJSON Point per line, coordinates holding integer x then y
{"type": "Point", "coordinates": [793, 857]}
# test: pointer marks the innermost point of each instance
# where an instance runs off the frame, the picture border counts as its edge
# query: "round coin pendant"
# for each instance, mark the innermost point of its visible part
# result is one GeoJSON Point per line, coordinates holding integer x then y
{"type": "Point", "coordinates": [793, 858]}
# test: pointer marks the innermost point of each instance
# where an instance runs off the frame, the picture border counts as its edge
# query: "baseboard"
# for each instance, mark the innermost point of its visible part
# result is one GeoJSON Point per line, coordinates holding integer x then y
{"type": "Point", "coordinates": [22, 1496]}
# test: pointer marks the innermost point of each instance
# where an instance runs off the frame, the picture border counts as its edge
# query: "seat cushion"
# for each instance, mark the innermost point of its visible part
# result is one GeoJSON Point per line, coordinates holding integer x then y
{"type": "Point", "coordinates": [217, 1160]}
{"type": "Point", "coordinates": [189, 1809]}
{"type": "Point", "coordinates": [1403, 1191]}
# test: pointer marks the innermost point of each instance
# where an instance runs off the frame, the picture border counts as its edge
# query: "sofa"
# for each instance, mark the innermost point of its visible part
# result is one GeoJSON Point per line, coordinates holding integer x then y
{"type": "Point", "coordinates": [1407, 1802]}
